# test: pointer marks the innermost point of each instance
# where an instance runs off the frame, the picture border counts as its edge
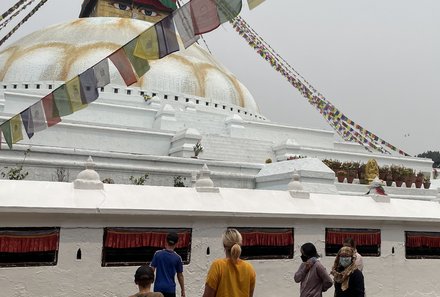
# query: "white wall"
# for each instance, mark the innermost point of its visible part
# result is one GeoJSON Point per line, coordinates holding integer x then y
{"type": "Point", "coordinates": [387, 275]}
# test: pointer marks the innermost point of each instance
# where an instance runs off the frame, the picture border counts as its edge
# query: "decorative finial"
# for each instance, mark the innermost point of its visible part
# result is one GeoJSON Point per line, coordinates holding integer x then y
{"type": "Point", "coordinates": [204, 183]}
{"type": "Point", "coordinates": [90, 164]}
{"type": "Point", "coordinates": [295, 187]}
{"type": "Point", "coordinates": [88, 179]}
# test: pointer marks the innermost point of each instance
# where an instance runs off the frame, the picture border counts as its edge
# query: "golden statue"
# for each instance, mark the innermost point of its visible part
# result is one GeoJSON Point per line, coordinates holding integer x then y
{"type": "Point", "coordinates": [371, 170]}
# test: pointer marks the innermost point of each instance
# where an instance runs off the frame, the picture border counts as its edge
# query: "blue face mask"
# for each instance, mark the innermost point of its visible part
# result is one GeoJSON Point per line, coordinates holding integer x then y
{"type": "Point", "coordinates": [344, 261]}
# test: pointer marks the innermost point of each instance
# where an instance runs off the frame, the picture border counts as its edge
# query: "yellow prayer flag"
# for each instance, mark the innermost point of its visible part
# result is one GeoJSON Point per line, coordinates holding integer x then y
{"type": "Point", "coordinates": [16, 131]}
{"type": "Point", "coordinates": [147, 46]}
{"type": "Point", "coordinates": [254, 3]}
{"type": "Point", "coordinates": [74, 92]}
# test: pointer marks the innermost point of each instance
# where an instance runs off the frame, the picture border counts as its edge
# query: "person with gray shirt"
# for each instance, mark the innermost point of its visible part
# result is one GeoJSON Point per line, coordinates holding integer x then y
{"type": "Point", "coordinates": [311, 273]}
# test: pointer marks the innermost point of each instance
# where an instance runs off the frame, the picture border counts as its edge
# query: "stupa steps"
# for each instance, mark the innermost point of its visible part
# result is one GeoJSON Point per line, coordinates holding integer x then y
{"type": "Point", "coordinates": [236, 149]}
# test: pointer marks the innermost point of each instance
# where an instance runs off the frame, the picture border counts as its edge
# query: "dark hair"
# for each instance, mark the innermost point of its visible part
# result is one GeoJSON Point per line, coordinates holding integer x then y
{"type": "Point", "coordinates": [144, 276]}
{"type": "Point", "coordinates": [309, 250]}
{"type": "Point", "coordinates": [172, 238]}
{"type": "Point", "coordinates": [349, 242]}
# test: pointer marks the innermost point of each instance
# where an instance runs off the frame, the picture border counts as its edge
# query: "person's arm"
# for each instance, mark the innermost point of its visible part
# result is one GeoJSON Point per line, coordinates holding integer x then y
{"type": "Point", "coordinates": [181, 283]}
{"type": "Point", "coordinates": [209, 292]}
{"type": "Point", "coordinates": [212, 280]}
{"type": "Point", "coordinates": [326, 280]}
{"type": "Point", "coordinates": [301, 273]}
{"type": "Point", "coordinates": [251, 292]}
{"type": "Point", "coordinates": [252, 283]}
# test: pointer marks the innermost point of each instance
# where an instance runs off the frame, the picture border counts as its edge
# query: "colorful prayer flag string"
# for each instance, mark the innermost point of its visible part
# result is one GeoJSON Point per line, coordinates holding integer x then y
{"type": "Point", "coordinates": [6, 21]}
{"type": "Point", "coordinates": [131, 60]}
{"type": "Point", "coordinates": [331, 114]}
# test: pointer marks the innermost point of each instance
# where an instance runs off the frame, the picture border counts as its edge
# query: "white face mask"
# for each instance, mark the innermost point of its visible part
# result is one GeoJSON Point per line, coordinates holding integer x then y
{"type": "Point", "coordinates": [344, 261]}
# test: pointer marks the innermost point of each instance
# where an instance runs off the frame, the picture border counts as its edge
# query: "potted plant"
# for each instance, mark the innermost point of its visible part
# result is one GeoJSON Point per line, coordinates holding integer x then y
{"type": "Point", "coordinates": [383, 172]}
{"type": "Point", "coordinates": [426, 182]}
{"type": "Point", "coordinates": [409, 177]}
{"type": "Point", "coordinates": [198, 148]}
{"type": "Point", "coordinates": [341, 175]}
{"type": "Point", "coordinates": [389, 179]}
{"type": "Point", "coordinates": [351, 175]}
{"type": "Point", "coordinates": [361, 174]}
{"type": "Point", "coordinates": [419, 179]}
{"type": "Point", "coordinates": [399, 175]}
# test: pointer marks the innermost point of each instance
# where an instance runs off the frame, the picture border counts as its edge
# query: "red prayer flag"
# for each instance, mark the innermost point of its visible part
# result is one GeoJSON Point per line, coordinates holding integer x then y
{"type": "Point", "coordinates": [122, 63]}
{"type": "Point", "coordinates": [50, 110]}
{"type": "Point", "coordinates": [204, 15]}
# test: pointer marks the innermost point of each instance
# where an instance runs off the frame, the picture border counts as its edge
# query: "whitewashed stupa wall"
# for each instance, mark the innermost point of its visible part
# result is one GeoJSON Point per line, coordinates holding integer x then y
{"type": "Point", "coordinates": [387, 275]}
{"type": "Point", "coordinates": [124, 122]}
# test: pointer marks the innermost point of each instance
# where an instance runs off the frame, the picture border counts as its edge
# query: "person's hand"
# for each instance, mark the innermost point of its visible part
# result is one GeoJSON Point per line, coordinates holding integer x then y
{"type": "Point", "coordinates": [182, 294]}
{"type": "Point", "coordinates": [310, 262]}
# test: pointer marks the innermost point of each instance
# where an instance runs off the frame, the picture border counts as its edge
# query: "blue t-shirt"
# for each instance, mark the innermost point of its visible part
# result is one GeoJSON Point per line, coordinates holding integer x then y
{"type": "Point", "coordinates": [167, 263]}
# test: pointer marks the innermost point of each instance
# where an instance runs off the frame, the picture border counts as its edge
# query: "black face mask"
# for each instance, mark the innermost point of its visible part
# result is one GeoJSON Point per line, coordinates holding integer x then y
{"type": "Point", "coordinates": [304, 258]}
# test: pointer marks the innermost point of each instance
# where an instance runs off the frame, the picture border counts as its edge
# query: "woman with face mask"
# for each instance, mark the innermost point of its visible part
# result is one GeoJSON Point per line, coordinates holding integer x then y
{"type": "Point", "coordinates": [311, 273]}
{"type": "Point", "coordinates": [349, 280]}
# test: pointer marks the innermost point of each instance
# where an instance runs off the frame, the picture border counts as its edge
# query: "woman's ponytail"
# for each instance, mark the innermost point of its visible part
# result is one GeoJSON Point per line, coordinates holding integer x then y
{"type": "Point", "coordinates": [232, 242]}
{"type": "Point", "coordinates": [235, 252]}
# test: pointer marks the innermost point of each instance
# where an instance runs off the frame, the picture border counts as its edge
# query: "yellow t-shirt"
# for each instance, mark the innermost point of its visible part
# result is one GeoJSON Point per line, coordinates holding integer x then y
{"type": "Point", "coordinates": [231, 280]}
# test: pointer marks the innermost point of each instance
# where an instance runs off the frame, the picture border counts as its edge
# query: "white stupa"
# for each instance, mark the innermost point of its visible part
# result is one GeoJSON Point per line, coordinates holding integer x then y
{"type": "Point", "coordinates": [151, 129]}
{"type": "Point", "coordinates": [185, 98]}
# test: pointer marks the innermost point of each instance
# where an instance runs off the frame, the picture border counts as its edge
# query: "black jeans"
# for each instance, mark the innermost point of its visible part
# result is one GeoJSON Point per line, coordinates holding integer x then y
{"type": "Point", "coordinates": [169, 294]}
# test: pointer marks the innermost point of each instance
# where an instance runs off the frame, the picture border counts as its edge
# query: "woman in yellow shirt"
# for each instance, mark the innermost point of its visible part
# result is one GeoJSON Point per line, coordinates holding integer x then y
{"type": "Point", "coordinates": [230, 276]}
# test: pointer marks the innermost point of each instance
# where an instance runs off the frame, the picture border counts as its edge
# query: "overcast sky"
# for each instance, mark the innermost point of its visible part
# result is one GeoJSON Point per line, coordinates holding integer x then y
{"type": "Point", "coordinates": [377, 61]}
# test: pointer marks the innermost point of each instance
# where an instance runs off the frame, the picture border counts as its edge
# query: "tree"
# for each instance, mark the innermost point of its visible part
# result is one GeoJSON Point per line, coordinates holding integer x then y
{"type": "Point", "coordinates": [433, 155]}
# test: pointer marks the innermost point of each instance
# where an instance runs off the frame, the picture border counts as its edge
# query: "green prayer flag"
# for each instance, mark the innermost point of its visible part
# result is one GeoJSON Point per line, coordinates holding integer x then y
{"type": "Point", "coordinates": [6, 128]}
{"type": "Point", "coordinates": [169, 3]}
{"type": "Point", "coordinates": [140, 65]}
{"type": "Point", "coordinates": [228, 9]}
{"type": "Point", "coordinates": [62, 101]}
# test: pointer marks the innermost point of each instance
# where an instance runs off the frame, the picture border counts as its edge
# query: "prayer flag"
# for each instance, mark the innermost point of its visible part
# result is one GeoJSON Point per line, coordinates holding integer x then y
{"type": "Point", "coordinates": [147, 46]}
{"type": "Point", "coordinates": [62, 101]}
{"type": "Point", "coordinates": [169, 3]}
{"type": "Point", "coordinates": [228, 9]}
{"type": "Point", "coordinates": [183, 21]}
{"type": "Point", "coordinates": [26, 117]}
{"type": "Point", "coordinates": [16, 131]}
{"type": "Point", "coordinates": [140, 65]}
{"type": "Point", "coordinates": [89, 86]}
{"type": "Point", "coordinates": [102, 73]}
{"type": "Point", "coordinates": [38, 119]}
{"type": "Point", "coordinates": [254, 3]}
{"type": "Point", "coordinates": [6, 128]}
{"type": "Point", "coordinates": [204, 15]}
{"type": "Point", "coordinates": [166, 36]}
{"type": "Point", "coordinates": [50, 110]}
{"type": "Point", "coordinates": [120, 60]}
{"type": "Point", "coordinates": [73, 88]}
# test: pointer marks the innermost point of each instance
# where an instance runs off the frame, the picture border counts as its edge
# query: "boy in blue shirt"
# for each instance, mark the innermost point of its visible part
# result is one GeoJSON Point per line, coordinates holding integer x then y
{"type": "Point", "coordinates": [167, 263]}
